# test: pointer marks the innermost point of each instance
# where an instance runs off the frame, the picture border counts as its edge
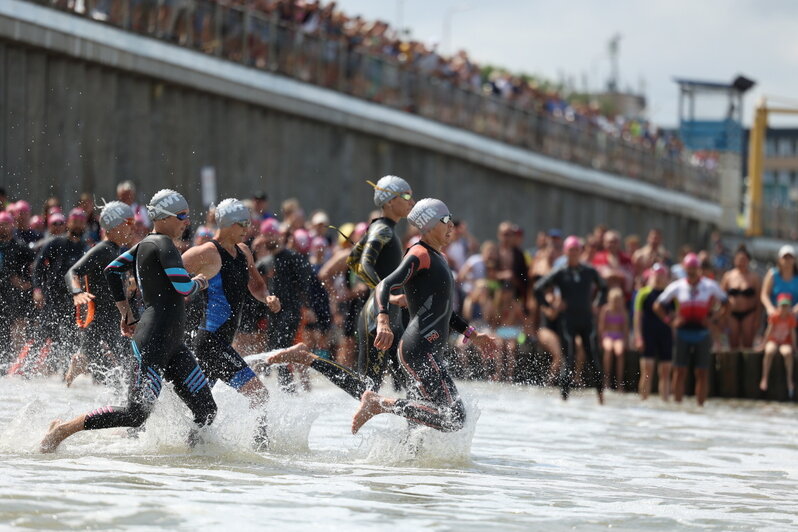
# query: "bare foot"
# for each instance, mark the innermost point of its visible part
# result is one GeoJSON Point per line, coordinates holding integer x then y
{"type": "Point", "coordinates": [369, 407]}
{"type": "Point", "coordinates": [55, 435]}
{"type": "Point", "coordinates": [296, 354]}
{"type": "Point", "coordinates": [77, 366]}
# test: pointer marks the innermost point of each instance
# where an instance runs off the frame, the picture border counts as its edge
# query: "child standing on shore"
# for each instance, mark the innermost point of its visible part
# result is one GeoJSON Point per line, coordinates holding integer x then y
{"type": "Point", "coordinates": [780, 337]}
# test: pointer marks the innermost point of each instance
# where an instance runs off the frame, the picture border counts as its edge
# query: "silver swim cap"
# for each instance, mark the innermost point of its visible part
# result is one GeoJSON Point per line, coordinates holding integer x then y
{"type": "Point", "coordinates": [231, 211]}
{"type": "Point", "coordinates": [166, 203]}
{"type": "Point", "coordinates": [427, 213]}
{"type": "Point", "coordinates": [388, 188]}
{"type": "Point", "coordinates": [115, 213]}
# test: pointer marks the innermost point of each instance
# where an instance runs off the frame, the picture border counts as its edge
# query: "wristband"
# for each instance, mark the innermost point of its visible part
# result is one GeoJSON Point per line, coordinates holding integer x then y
{"type": "Point", "coordinates": [467, 334]}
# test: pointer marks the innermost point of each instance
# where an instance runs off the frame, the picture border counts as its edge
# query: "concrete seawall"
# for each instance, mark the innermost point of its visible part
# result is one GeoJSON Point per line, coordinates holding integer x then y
{"type": "Point", "coordinates": [83, 106]}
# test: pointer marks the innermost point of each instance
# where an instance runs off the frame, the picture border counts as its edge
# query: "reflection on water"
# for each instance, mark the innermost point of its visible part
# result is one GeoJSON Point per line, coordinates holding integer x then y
{"type": "Point", "coordinates": [525, 460]}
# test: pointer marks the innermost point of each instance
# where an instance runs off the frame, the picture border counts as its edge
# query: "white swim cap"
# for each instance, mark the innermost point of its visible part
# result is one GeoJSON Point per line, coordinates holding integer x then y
{"type": "Point", "coordinates": [389, 187]}
{"type": "Point", "coordinates": [231, 211]}
{"type": "Point", "coordinates": [166, 203]}
{"type": "Point", "coordinates": [426, 214]}
{"type": "Point", "coordinates": [115, 213]}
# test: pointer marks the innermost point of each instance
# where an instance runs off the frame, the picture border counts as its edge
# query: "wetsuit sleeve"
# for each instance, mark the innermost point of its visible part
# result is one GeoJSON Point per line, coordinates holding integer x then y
{"type": "Point", "coordinates": [457, 323]}
{"type": "Point", "coordinates": [415, 260]}
{"type": "Point", "coordinates": [172, 264]}
{"type": "Point", "coordinates": [115, 270]}
{"type": "Point", "coordinates": [371, 252]}
{"type": "Point", "coordinates": [601, 285]}
{"type": "Point", "coordinates": [543, 284]}
{"type": "Point", "coordinates": [79, 269]}
{"type": "Point", "coordinates": [40, 265]}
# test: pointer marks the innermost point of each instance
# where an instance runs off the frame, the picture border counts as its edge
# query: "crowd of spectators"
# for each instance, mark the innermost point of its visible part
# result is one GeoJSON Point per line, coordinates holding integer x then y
{"type": "Point", "coordinates": [506, 286]}
{"type": "Point", "coordinates": [318, 43]}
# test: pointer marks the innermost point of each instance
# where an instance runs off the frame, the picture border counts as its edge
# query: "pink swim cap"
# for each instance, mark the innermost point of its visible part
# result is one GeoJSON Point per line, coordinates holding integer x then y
{"type": "Point", "coordinates": [691, 260]}
{"type": "Point", "coordinates": [6, 218]}
{"type": "Point", "coordinates": [572, 241]}
{"type": "Point", "coordinates": [270, 226]}
{"type": "Point", "coordinates": [302, 241]}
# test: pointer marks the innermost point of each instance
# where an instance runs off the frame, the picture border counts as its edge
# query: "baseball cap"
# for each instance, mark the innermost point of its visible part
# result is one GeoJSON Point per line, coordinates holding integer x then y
{"type": "Point", "coordinates": [785, 250]}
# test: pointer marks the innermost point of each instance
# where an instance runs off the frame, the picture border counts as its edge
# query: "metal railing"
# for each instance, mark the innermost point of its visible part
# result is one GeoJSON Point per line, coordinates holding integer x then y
{"type": "Point", "coordinates": [262, 40]}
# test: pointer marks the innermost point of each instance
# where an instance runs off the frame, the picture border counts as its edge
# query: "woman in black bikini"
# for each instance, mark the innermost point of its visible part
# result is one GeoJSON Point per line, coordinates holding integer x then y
{"type": "Point", "coordinates": [742, 286]}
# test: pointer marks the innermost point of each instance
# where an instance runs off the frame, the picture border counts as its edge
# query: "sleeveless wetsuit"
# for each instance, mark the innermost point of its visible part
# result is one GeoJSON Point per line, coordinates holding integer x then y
{"type": "Point", "coordinates": [577, 285]}
{"type": "Point", "coordinates": [158, 341]}
{"type": "Point", "coordinates": [102, 333]}
{"type": "Point", "coordinates": [221, 309]}
{"type": "Point", "coordinates": [433, 399]}
{"type": "Point", "coordinates": [382, 253]}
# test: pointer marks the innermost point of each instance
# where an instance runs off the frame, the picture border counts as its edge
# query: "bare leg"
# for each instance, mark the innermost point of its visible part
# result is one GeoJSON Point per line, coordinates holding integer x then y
{"type": "Point", "coordinates": [296, 354]}
{"type": "Point", "coordinates": [646, 373]}
{"type": "Point", "coordinates": [679, 380]}
{"type": "Point", "coordinates": [770, 351]}
{"type": "Point", "coordinates": [701, 386]}
{"type": "Point", "coordinates": [371, 404]}
{"type": "Point", "coordinates": [786, 352]}
{"type": "Point", "coordinates": [77, 366]}
{"type": "Point", "coordinates": [664, 373]}
{"type": "Point", "coordinates": [606, 346]}
{"type": "Point", "coordinates": [618, 349]}
{"type": "Point", "coordinates": [58, 432]}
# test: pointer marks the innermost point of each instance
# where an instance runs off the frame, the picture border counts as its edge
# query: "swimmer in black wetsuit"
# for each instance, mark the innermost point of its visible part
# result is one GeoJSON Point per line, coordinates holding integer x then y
{"type": "Point", "coordinates": [582, 289]}
{"type": "Point", "coordinates": [424, 274]}
{"type": "Point", "coordinates": [228, 265]}
{"type": "Point", "coordinates": [158, 337]}
{"type": "Point", "coordinates": [86, 280]}
{"type": "Point", "coordinates": [382, 253]}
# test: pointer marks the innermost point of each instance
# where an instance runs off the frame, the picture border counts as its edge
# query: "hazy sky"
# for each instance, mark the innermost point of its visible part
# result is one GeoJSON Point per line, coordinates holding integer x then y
{"type": "Point", "coordinates": [704, 39]}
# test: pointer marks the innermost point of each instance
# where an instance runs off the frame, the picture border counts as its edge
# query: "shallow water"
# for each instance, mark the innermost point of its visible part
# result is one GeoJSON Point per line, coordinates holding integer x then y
{"type": "Point", "coordinates": [525, 461]}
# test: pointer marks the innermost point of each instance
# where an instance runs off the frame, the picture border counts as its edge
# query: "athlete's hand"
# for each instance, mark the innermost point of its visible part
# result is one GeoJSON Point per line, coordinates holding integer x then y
{"type": "Point", "coordinates": [485, 343]}
{"type": "Point", "coordinates": [400, 300]}
{"type": "Point", "coordinates": [201, 280]}
{"type": "Point", "coordinates": [384, 338]}
{"type": "Point", "coordinates": [83, 298]}
{"type": "Point", "coordinates": [126, 327]}
{"type": "Point", "coordinates": [273, 302]}
{"type": "Point", "coordinates": [38, 298]}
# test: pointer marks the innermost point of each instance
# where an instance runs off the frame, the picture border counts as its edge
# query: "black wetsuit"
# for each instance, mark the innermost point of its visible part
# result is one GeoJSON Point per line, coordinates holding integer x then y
{"type": "Point", "coordinates": [158, 342]}
{"type": "Point", "coordinates": [577, 285]}
{"type": "Point", "coordinates": [381, 255]}
{"type": "Point", "coordinates": [101, 334]}
{"type": "Point", "coordinates": [58, 315]}
{"type": "Point", "coordinates": [292, 281]}
{"type": "Point", "coordinates": [221, 313]}
{"type": "Point", "coordinates": [433, 399]}
{"type": "Point", "coordinates": [15, 257]}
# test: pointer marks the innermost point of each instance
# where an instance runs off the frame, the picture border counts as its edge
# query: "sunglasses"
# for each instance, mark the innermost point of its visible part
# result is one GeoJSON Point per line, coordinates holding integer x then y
{"type": "Point", "coordinates": [182, 216]}
{"type": "Point", "coordinates": [446, 219]}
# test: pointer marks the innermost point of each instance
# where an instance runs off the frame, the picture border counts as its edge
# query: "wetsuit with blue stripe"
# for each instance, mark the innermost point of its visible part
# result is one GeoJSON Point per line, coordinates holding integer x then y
{"type": "Point", "coordinates": [223, 301]}
{"type": "Point", "coordinates": [433, 399]}
{"type": "Point", "coordinates": [158, 341]}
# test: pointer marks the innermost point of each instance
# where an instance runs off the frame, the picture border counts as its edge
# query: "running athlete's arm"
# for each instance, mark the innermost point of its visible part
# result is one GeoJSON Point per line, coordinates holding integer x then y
{"type": "Point", "coordinates": [202, 259]}
{"type": "Point", "coordinates": [257, 287]}
{"type": "Point", "coordinates": [182, 282]}
{"type": "Point", "coordinates": [371, 252]}
{"type": "Point", "coordinates": [114, 273]}
{"type": "Point", "coordinates": [416, 259]}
